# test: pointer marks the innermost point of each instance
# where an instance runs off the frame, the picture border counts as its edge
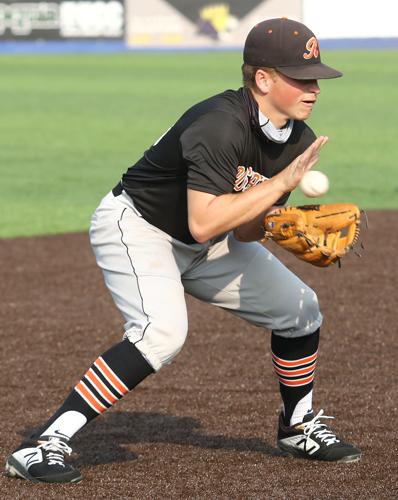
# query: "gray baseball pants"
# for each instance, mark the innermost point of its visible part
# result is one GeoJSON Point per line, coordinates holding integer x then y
{"type": "Point", "coordinates": [147, 273]}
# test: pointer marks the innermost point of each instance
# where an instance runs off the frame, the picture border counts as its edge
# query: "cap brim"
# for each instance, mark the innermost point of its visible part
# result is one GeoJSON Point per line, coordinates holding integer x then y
{"type": "Point", "coordinates": [316, 71]}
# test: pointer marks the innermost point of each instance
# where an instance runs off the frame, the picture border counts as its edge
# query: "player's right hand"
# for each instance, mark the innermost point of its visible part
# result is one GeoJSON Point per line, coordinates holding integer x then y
{"type": "Point", "coordinates": [291, 176]}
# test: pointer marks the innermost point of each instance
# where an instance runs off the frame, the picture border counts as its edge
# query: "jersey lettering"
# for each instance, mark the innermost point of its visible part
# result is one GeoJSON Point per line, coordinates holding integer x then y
{"type": "Point", "coordinates": [246, 177]}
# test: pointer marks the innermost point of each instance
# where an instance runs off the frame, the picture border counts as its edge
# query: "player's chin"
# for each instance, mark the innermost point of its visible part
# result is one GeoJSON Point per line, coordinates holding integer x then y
{"type": "Point", "coordinates": [303, 113]}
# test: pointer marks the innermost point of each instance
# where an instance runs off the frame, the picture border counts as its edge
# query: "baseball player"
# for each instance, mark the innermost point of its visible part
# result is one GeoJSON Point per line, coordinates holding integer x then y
{"type": "Point", "coordinates": [187, 217]}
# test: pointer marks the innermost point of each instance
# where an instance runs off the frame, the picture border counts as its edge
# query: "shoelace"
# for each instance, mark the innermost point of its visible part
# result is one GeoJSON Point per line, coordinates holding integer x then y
{"type": "Point", "coordinates": [55, 451]}
{"type": "Point", "coordinates": [320, 430]}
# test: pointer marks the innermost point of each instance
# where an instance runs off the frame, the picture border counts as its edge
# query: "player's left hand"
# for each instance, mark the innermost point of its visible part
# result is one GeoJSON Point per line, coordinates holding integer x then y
{"type": "Point", "coordinates": [313, 233]}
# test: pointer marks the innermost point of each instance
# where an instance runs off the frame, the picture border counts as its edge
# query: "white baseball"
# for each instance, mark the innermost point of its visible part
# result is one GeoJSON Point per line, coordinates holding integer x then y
{"type": "Point", "coordinates": [314, 184]}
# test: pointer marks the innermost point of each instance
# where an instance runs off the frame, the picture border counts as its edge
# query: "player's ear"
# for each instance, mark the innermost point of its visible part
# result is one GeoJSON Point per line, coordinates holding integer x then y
{"type": "Point", "coordinates": [264, 79]}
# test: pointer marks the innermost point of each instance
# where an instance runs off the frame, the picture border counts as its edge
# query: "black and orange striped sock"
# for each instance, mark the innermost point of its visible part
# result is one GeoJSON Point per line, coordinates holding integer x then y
{"type": "Point", "coordinates": [294, 361]}
{"type": "Point", "coordinates": [109, 378]}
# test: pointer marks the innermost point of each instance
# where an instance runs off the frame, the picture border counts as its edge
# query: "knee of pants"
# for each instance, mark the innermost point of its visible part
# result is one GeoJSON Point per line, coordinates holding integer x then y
{"type": "Point", "coordinates": [304, 317]}
{"type": "Point", "coordinates": [159, 342]}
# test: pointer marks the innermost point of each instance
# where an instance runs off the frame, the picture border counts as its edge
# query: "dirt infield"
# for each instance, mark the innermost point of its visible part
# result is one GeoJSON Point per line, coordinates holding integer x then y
{"type": "Point", "coordinates": [204, 427]}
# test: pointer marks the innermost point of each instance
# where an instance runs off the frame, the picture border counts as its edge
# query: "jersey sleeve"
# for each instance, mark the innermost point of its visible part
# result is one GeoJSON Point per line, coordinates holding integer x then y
{"type": "Point", "coordinates": [211, 148]}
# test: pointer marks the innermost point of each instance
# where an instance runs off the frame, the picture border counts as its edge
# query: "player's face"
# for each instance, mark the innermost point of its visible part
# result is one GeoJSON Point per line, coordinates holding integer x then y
{"type": "Point", "coordinates": [292, 99]}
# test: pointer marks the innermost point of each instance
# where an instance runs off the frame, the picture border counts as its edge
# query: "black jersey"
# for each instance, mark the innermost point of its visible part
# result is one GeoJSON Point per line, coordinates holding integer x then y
{"type": "Point", "coordinates": [214, 147]}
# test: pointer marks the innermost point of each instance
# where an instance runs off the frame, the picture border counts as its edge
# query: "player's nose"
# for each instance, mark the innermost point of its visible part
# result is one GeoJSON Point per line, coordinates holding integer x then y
{"type": "Point", "coordinates": [313, 87]}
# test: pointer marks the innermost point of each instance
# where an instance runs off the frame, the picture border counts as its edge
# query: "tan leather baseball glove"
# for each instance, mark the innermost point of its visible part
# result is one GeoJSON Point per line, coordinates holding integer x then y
{"type": "Point", "coordinates": [318, 234]}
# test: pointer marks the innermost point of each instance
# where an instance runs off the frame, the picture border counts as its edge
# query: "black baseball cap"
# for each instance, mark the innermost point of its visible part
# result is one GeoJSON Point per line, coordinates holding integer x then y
{"type": "Point", "coordinates": [289, 47]}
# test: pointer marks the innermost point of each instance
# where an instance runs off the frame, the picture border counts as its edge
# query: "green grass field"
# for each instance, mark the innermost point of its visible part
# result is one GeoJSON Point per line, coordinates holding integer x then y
{"type": "Point", "coordinates": [71, 124]}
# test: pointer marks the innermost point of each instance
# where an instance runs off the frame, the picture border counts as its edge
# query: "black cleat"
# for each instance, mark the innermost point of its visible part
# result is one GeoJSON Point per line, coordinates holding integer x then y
{"type": "Point", "coordinates": [42, 460]}
{"type": "Point", "coordinates": [313, 439]}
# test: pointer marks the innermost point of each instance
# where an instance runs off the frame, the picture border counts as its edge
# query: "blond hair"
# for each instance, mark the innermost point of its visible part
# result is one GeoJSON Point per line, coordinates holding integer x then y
{"type": "Point", "coordinates": [249, 74]}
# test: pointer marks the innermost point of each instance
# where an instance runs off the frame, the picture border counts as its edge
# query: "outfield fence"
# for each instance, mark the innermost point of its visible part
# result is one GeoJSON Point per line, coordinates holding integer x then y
{"type": "Point", "coordinates": [120, 25]}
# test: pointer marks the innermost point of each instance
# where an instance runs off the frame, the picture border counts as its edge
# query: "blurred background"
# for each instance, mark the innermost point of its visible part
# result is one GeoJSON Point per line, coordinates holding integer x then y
{"type": "Point", "coordinates": [185, 23]}
{"type": "Point", "coordinates": [87, 86]}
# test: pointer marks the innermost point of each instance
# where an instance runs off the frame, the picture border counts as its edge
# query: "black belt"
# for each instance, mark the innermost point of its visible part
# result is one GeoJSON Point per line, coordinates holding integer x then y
{"type": "Point", "coordinates": [117, 190]}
